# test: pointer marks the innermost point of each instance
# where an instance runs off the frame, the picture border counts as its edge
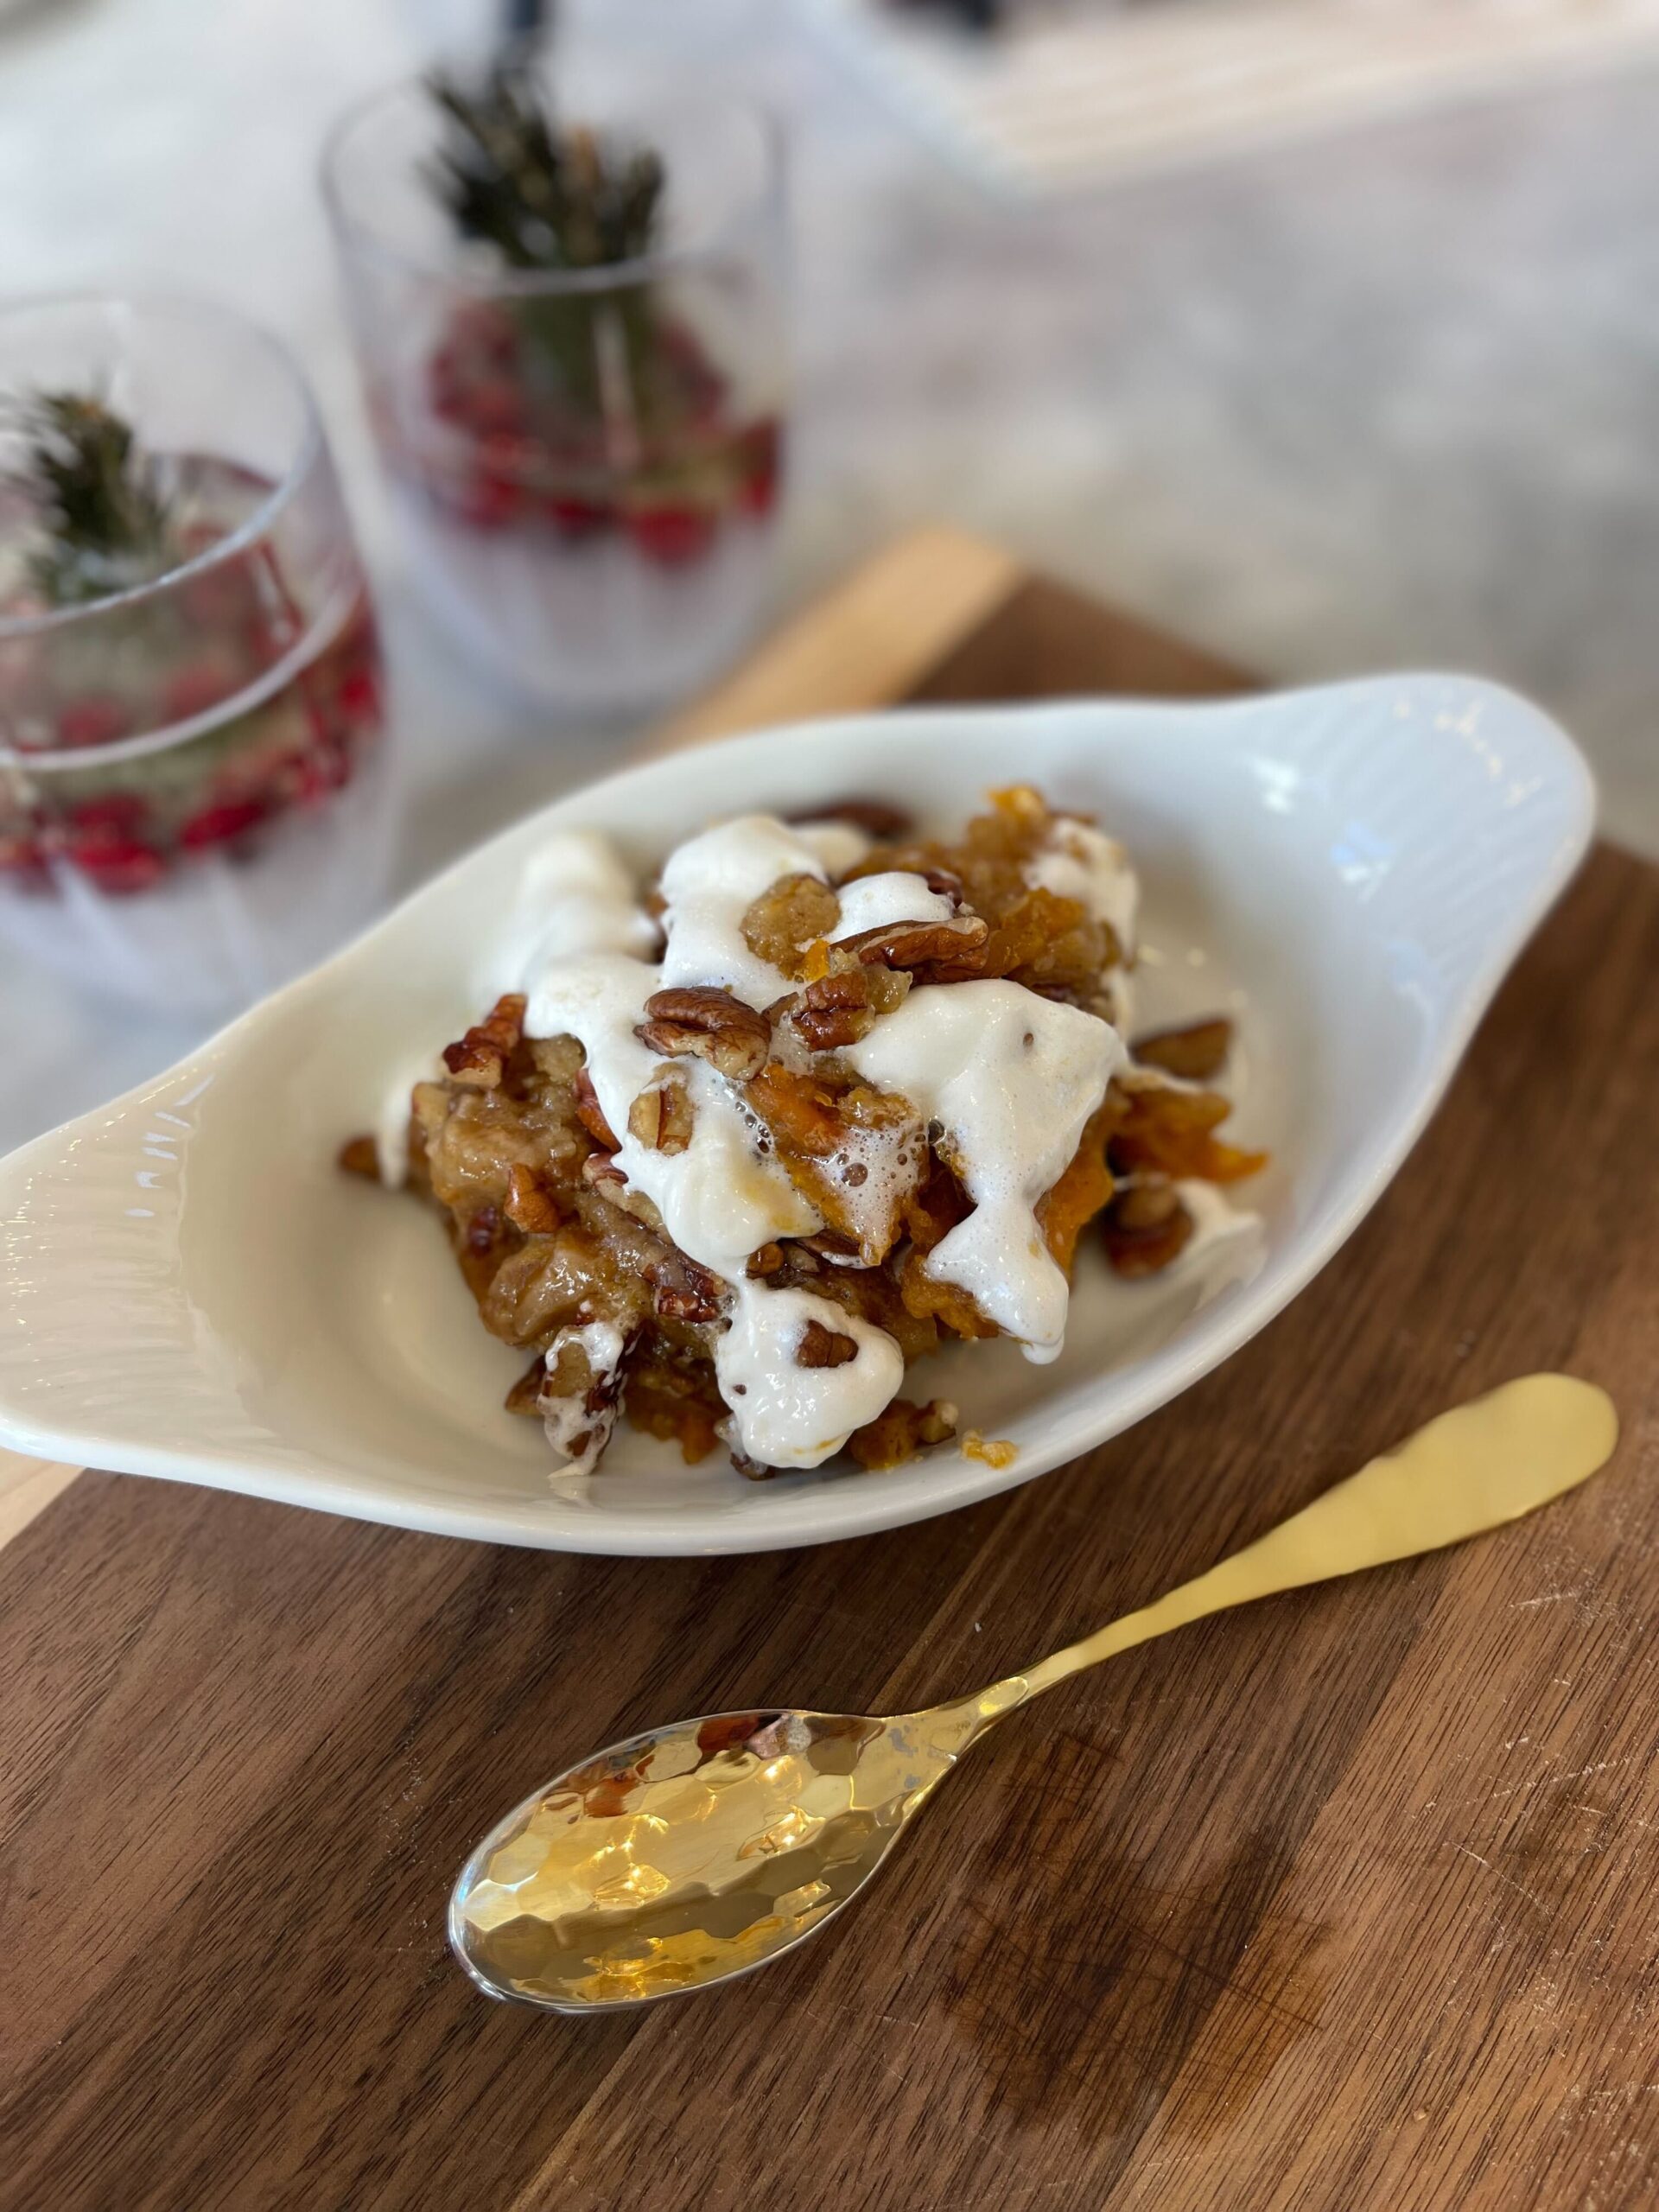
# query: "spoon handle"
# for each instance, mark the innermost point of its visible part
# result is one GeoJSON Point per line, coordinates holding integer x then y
{"type": "Point", "coordinates": [1468, 1471]}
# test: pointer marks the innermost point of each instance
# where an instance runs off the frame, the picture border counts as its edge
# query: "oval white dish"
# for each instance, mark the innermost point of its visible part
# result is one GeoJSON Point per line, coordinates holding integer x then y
{"type": "Point", "coordinates": [192, 1290]}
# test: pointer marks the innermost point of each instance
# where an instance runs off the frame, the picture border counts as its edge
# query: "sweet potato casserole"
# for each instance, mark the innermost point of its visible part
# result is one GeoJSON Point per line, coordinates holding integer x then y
{"type": "Point", "coordinates": [731, 1151]}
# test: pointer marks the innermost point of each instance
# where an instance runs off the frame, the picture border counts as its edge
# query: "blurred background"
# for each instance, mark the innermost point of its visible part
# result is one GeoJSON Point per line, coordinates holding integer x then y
{"type": "Point", "coordinates": [1325, 332]}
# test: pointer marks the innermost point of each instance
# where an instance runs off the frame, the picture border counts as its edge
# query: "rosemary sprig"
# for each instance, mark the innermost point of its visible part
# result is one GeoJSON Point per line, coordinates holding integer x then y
{"type": "Point", "coordinates": [543, 201]}
{"type": "Point", "coordinates": [99, 498]}
{"type": "Point", "coordinates": [546, 200]}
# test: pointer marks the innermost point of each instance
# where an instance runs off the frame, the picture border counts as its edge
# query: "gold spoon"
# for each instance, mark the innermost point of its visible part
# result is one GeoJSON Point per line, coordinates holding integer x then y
{"type": "Point", "coordinates": [702, 1850]}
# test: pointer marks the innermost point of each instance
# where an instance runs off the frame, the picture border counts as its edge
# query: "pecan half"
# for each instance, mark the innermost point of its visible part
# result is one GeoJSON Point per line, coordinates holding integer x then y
{"type": "Point", "coordinates": [1197, 1051]}
{"type": "Point", "coordinates": [664, 1115]}
{"type": "Point", "coordinates": [481, 1056]}
{"type": "Point", "coordinates": [590, 1113]}
{"type": "Point", "coordinates": [530, 1204]}
{"type": "Point", "coordinates": [934, 952]}
{"type": "Point", "coordinates": [707, 1025]}
{"type": "Point", "coordinates": [837, 1010]}
{"type": "Point", "coordinates": [822, 1347]}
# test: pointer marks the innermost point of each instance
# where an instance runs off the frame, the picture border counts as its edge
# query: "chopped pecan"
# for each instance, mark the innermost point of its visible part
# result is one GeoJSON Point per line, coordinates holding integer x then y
{"type": "Point", "coordinates": [822, 1347]}
{"type": "Point", "coordinates": [934, 952]}
{"type": "Point", "coordinates": [708, 1025]}
{"type": "Point", "coordinates": [837, 1010]}
{"type": "Point", "coordinates": [683, 1291]}
{"type": "Point", "coordinates": [664, 1115]}
{"type": "Point", "coordinates": [601, 1172]}
{"type": "Point", "coordinates": [872, 816]}
{"type": "Point", "coordinates": [530, 1204]}
{"type": "Point", "coordinates": [591, 1114]}
{"type": "Point", "coordinates": [765, 1260]}
{"type": "Point", "coordinates": [360, 1156]}
{"type": "Point", "coordinates": [482, 1054]}
{"type": "Point", "coordinates": [1196, 1052]}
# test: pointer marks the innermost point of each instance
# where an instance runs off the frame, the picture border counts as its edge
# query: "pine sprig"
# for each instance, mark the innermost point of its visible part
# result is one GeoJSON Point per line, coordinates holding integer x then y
{"type": "Point", "coordinates": [97, 495]}
{"type": "Point", "coordinates": [543, 200]}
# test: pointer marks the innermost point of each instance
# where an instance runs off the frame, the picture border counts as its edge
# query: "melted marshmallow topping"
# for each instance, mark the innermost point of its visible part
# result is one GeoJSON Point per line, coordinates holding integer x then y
{"type": "Point", "coordinates": [725, 1195]}
{"type": "Point", "coordinates": [710, 883]}
{"type": "Point", "coordinates": [793, 1416]}
{"type": "Point", "coordinates": [722, 1198]}
{"type": "Point", "coordinates": [1011, 1079]}
{"type": "Point", "coordinates": [874, 902]}
{"type": "Point", "coordinates": [575, 896]}
{"type": "Point", "coordinates": [577, 1434]}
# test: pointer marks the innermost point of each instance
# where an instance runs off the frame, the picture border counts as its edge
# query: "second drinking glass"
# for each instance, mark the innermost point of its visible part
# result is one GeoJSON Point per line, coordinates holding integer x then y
{"type": "Point", "coordinates": [572, 334]}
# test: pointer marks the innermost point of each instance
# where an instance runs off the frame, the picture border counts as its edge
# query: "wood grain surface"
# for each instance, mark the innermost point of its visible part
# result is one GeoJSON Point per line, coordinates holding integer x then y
{"type": "Point", "coordinates": [1349, 1901]}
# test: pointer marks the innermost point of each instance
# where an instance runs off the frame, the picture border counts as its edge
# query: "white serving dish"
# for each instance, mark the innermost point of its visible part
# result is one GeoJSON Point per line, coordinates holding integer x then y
{"type": "Point", "coordinates": [191, 1290]}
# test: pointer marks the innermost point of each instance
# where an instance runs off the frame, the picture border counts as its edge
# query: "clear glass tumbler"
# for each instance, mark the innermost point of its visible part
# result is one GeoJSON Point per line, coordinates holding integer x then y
{"type": "Point", "coordinates": [585, 464]}
{"type": "Point", "coordinates": [193, 800]}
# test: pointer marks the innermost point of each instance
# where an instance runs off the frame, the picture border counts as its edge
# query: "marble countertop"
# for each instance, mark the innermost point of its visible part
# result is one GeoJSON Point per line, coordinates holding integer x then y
{"type": "Point", "coordinates": [1386, 400]}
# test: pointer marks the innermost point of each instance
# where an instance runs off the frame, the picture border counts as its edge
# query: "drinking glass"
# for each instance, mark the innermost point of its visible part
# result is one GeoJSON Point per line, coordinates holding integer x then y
{"type": "Point", "coordinates": [193, 790]}
{"type": "Point", "coordinates": [585, 464]}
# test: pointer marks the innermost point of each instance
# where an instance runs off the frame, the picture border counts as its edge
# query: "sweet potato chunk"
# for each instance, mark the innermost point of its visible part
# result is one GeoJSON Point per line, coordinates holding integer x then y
{"type": "Point", "coordinates": [1172, 1132]}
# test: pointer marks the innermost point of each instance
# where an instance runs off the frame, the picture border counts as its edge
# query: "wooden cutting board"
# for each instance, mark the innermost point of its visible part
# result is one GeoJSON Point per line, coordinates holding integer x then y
{"type": "Point", "coordinates": [1352, 1901]}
